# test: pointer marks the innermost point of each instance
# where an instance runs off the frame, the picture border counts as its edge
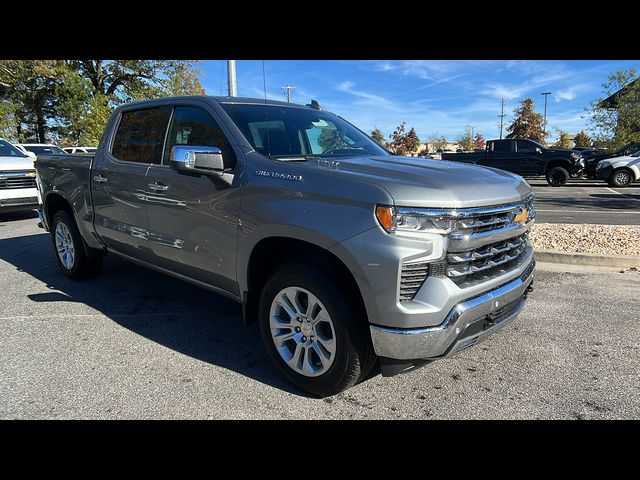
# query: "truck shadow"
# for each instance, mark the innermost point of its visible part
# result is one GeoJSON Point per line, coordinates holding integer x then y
{"type": "Point", "coordinates": [173, 313]}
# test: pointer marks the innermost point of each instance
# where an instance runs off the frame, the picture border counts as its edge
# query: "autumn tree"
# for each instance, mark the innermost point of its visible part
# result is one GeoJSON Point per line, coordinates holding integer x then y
{"type": "Point", "coordinates": [615, 118]}
{"type": "Point", "coordinates": [404, 143]}
{"type": "Point", "coordinates": [564, 139]}
{"type": "Point", "coordinates": [377, 135]}
{"type": "Point", "coordinates": [466, 139]}
{"type": "Point", "coordinates": [437, 141]}
{"type": "Point", "coordinates": [582, 139]}
{"type": "Point", "coordinates": [479, 142]}
{"type": "Point", "coordinates": [527, 123]}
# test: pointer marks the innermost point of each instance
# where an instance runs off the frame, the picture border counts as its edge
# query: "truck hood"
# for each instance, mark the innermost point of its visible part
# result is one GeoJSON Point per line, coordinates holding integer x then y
{"type": "Point", "coordinates": [16, 163]}
{"type": "Point", "coordinates": [419, 182]}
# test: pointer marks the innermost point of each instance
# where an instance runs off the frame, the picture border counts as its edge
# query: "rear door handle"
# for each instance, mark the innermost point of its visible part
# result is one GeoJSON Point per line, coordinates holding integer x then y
{"type": "Point", "coordinates": [100, 179]}
{"type": "Point", "coordinates": [158, 187]}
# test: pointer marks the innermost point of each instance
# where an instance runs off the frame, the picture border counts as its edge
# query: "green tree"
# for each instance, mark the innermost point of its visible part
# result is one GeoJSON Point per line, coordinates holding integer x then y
{"type": "Point", "coordinates": [404, 143]}
{"type": "Point", "coordinates": [437, 141]}
{"type": "Point", "coordinates": [582, 139]}
{"type": "Point", "coordinates": [466, 139]}
{"type": "Point", "coordinates": [30, 87]}
{"type": "Point", "coordinates": [377, 135]}
{"type": "Point", "coordinates": [614, 124]}
{"type": "Point", "coordinates": [527, 123]}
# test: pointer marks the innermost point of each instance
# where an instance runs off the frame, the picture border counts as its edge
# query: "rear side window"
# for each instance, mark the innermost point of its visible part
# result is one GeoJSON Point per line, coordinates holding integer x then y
{"type": "Point", "coordinates": [140, 135]}
{"type": "Point", "coordinates": [501, 146]}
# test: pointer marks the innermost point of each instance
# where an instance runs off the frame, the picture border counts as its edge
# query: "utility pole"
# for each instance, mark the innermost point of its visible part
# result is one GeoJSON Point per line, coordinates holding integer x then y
{"type": "Point", "coordinates": [231, 76]}
{"type": "Point", "coordinates": [287, 91]}
{"type": "Point", "coordinates": [544, 125]}
{"type": "Point", "coordinates": [502, 115]}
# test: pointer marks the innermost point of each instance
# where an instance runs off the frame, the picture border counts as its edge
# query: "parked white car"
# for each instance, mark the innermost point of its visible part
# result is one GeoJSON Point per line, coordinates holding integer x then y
{"type": "Point", "coordinates": [73, 150]}
{"type": "Point", "coordinates": [25, 151]}
{"type": "Point", "coordinates": [620, 171]}
{"type": "Point", "coordinates": [17, 180]}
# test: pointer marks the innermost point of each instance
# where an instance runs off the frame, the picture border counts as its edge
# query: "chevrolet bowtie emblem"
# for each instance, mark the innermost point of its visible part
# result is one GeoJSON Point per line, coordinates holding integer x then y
{"type": "Point", "coordinates": [30, 174]}
{"type": "Point", "coordinates": [522, 216]}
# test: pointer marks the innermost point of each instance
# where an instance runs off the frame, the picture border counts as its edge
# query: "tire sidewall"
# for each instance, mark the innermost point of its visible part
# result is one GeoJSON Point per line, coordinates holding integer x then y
{"type": "Point", "coordinates": [614, 183]}
{"type": "Point", "coordinates": [557, 171]}
{"type": "Point", "coordinates": [64, 217]}
{"type": "Point", "coordinates": [313, 281]}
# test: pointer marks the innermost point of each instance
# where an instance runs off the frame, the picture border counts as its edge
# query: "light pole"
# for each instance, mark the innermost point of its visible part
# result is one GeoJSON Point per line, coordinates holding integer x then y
{"type": "Point", "coordinates": [544, 125]}
{"type": "Point", "coordinates": [231, 77]}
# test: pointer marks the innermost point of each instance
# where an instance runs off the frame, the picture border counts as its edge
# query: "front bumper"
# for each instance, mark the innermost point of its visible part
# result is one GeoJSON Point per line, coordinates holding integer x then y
{"type": "Point", "coordinates": [18, 199]}
{"type": "Point", "coordinates": [466, 325]}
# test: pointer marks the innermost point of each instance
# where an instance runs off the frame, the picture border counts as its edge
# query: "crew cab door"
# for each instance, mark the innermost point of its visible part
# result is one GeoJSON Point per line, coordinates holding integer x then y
{"type": "Point", "coordinates": [193, 218]}
{"type": "Point", "coordinates": [529, 158]}
{"type": "Point", "coordinates": [118, 179]}
{"type": "Point", "coordinates": [501, 154]}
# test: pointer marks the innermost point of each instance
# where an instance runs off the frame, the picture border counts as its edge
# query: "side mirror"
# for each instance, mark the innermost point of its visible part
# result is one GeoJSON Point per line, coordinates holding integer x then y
{"type": "Point", "coordinates": [538, 150]}
{"type": "Point", "coordinates": [197, 159]}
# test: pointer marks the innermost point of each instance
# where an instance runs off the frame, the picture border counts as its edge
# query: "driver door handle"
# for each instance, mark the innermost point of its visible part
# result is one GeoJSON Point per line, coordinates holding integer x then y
{"type": "Point", "coordinates": [100, 179]}
{"type": "Point", "coordinates": [158, 187]}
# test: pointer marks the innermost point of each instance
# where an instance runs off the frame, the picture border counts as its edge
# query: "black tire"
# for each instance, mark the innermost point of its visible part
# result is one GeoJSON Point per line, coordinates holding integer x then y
{"type": "Point", "coordinates": [83, 265]}
{"type": "Point", "coordinates": [620, 178]}
{"type": "Point", "coordinates": [557, 176]}
{"type": "Point", "coordinates": [354, 355]}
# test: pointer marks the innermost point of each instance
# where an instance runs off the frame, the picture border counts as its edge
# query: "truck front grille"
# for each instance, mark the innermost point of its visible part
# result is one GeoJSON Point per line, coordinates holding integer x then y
{"type": "Point", "coordinates": [12, 180]}
{"type": "Point", "coordinates": [487, 257]}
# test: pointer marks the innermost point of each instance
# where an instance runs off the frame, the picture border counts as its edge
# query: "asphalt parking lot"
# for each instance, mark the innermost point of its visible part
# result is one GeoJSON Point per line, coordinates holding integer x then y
{"type": "Point", "coordinates": [586, 201]}
{"type": "Point", "coordinates": [136, 344]}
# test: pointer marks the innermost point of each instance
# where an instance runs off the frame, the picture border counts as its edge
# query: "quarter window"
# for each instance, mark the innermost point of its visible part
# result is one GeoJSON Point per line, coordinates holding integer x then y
{"type": "Point", "coordinates": [140, 135]}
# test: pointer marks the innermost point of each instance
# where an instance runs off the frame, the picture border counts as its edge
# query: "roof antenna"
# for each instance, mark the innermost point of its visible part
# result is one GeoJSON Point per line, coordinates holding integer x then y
{"type": "Point", "coordinates": [266, 110]}
{"type": "Point", "coordinates": [315, 105]}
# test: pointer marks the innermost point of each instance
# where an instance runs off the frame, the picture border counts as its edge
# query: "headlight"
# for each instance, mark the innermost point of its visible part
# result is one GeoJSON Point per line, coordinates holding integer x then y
{"type": "Point", "coordinates": [405, 221]}
{"type": "Point", "coordinates": [576, 155]}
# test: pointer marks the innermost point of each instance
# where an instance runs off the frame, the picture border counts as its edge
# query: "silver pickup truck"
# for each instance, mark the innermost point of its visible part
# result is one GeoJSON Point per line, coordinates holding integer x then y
{"type": "Point", "coordinates": [344, 254]}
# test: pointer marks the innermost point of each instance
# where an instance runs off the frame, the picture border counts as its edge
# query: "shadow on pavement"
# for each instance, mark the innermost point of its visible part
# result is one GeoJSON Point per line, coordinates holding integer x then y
{"type": "Point", "coordinates": [22, 215]}
{"type": "Point", "coordinates": [173, 313]}
{"type": "Point", "coordinates": [593, 201]}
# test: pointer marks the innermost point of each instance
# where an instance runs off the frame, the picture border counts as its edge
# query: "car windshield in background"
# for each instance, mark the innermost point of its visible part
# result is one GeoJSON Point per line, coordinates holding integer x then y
{"type": "Point", "coordinates": [45, 150]}
{"type": "Point", "coordinates": [8, 150]}
{"type": "Point", "coordinates": [282, 131]}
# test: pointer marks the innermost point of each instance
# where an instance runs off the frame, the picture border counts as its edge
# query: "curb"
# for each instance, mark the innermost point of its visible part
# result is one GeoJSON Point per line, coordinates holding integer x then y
{"type": "Point", "coordinates": [588, 259]}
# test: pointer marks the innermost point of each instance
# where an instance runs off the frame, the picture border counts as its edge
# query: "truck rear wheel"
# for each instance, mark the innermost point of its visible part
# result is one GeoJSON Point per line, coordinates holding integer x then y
{"type": "Point", "coordinates": [312, 333]}
{"type": "Point", "coordinates": [621, 177]}
{"type": "Point", "coordinates": [69, 249]}
{"type": "Point", "coordinates": [557, 176]}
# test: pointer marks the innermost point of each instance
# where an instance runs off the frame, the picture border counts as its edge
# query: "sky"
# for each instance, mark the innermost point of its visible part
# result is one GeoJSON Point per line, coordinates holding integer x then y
{"type": "Point", "coordinates": [434, 96]}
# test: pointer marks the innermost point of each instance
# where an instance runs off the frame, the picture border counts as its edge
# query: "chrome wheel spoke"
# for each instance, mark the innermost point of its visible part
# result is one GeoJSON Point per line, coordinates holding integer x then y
{"type": "Point", "coordinates": [302, 331]}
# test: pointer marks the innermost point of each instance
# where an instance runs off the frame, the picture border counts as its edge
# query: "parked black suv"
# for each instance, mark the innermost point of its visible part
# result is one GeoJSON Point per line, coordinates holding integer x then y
{"type": "Point", "coordinates": [526, 158]}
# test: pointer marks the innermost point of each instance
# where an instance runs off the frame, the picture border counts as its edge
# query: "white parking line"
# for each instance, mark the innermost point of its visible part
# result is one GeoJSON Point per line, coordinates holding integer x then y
{"type": "Point", "coordinates": [623, 194]}
{"type": "Point", "coordinates": [626, 212]}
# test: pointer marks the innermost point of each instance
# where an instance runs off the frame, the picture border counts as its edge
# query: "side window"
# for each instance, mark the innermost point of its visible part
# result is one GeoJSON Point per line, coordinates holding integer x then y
{"type": "Point", "coordinates": [194, 126]}
{"type": "Point", "coordinates": [501, 147]}
{"type": "Point", "coordinates": [526, 147]}
{"type": "Point", "coordinates": [140, 135]}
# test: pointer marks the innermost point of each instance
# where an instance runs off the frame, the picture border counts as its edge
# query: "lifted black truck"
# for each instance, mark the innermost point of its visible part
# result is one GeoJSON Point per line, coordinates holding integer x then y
{"type": "Point", "coordinates": [526, 158]}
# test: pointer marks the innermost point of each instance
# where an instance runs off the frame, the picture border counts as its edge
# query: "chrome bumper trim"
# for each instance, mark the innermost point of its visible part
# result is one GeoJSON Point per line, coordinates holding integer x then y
{"type": "Point", "coordinates": [449, 337]}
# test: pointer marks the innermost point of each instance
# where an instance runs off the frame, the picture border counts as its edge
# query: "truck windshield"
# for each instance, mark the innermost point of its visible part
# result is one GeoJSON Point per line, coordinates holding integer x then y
{"type": "Point", "coordinates": [45, 149]}
{"type": "Point", "coordinates": [282, 131]}
{"type": "Point", "coordinates": [8, 150]}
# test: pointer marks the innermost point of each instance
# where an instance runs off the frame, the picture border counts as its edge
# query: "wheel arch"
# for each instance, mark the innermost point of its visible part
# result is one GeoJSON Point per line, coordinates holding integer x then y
{"type": "Point", "coordinates": [270, 252]}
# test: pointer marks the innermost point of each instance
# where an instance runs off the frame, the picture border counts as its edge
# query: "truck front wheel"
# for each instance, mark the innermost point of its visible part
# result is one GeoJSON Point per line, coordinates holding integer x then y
{"type": "Point", "coordinates": [69, 248]}
{"type": "Point", "coordinates": [557, 176]}
{"type": "Point", "coordinates": [312, 333]}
